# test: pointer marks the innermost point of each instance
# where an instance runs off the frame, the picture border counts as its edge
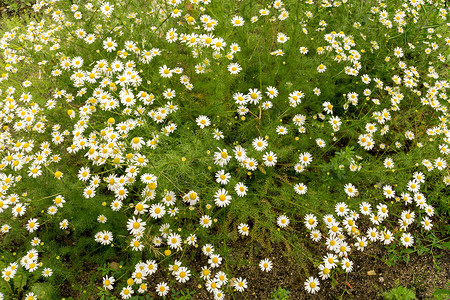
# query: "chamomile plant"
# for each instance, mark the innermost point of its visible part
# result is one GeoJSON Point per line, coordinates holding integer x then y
{"type": "Point", "coordinates": [162, 134]}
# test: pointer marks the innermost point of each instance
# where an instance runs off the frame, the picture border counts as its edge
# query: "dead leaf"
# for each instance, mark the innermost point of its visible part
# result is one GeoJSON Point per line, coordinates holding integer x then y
{"type": "Point", "coordinates": [114, 265]}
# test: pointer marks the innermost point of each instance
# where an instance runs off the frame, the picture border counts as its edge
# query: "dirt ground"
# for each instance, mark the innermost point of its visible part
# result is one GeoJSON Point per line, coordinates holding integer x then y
{"type": "Point", "coordinates": [420, 275]}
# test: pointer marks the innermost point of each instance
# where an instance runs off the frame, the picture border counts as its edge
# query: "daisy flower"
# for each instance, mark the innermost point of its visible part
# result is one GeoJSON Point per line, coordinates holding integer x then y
{"type": "Point", "coordinates": [237, 21]}
{"type": "Point", "coordinates": [175, 267]}
{"type": "Point", "coordinates": [254, 96]}
{"type": "Point", "coordinates": [234, 47]}
{"type": "Point", "coordinates": [388, 163]}
{"type": "Point", "coordinates": [35, 242]}
{"type": "Point", "coordinates": [270, 159]}
{"type": "Point", "coordinates": [135, 226]}
{"type": "Point", "coordinates": [271, 92]}
{"type": "Point", "coordinates": [137, 143]}
{"type": "Point", "coordinates": [387, 237]}
{"type": "Point", "coordinates": [219, 295]}
{"type": "Point", "coordinates": [406, 197]}
{"type": "Point", "coordinates": [365, 208]}
{"type": "Point", "coordinates": [32, 225]}
{"type": "Point", "coordinates": [107, 9]}
{"type": "Point", "coordinates": [325, 271]}
{"type": "Point", "coordinates": [28, 296]}
{"type": "Point", "coordinates": [208, 249]}
{"type": "Point", "coordinates": [350, 190]}
{"type": "Point", "coordinates": [109, 44]}
{"type": "Point", "coordinates": [408, 216]}
{"type": "Point", "coordinates": [218, 135]}
{"type": "Point", "coordinates": [310, 221]}
{"type": "Point", "coordinates": [242, 110]}
{"type": "Point", "coordinates": [212, 285]}
{"type": "Point", "coordinates": [240, 153]}
{"type": "Point", "coordinates": [222, 157]}
{"type": "Point", "coordinates": [203, 121]}
{"type": "Point", "coordinates": [234, 68]}
{"type": "Point", "coordinates": [281, 130]}
{"type": "Point", "coordinates": [205, 221]}
{"type": "Point", "coordinates": [240, 98]}
{"type": "Point", "coordinates": [243, 229]}
{"type": "Point", "coordinates": [64, 224]}
{"type": "Point", "coordinates": [328, 220]}
{"type": "Point", "coordinates": [106, 238]}
{"type": "Point", "coordinates": [169, 198]}
{"type": "Point", "coordinates": [157, 211]}
{"type": "Point", "coordinates": [108, 282]}
{"type": "Point", "coordinates": [300, 188]}
{"type": "Point", "coordinates": [321, 68]}
{"type": "Point", "coordinates": [183, 275]}
{"type": "Point", "coordinates": [305, 158]}
{"type": "Point", "coordinates": [420, 200]}
{"type": "Point", "coordinates": [241, 189]}
{"type": "Point", "coordinates": [315, 235]}
{"type": "Point", "coordinates": [47, 272]}
{"type": "Point", "coordinates": [388, 192]}
{"type": "Point", "coordinates": [165, 72]}
{"type": "Point", "coordinates": [215, 260]}
{"type": "Point", "coordinates": [150, 266]}
{"type": "Point", "coordinates": [419, 176]}
{"type": "Point", "coordinates": [413, 186]}
{"type": "Point", "coordinates": [341, 209]}
{"type": "Point", "coordinates": [398, 52]}
{"type": "Point", "coordinates": [205, 274]}
{"type": "Point", "coordinates": [250, 163]}
{"type": "Point", "coordinates": [426, 223]}
{"type": "Point", "coordinates": [162, 289]}
{"type": "Point", "coordinates": [283, 221]}
{"type": "Point", "coordinates": [361, 243]}
{"type": "Point", "coordinates": [321, 143]}
{"type": "Point", "coordinates": [312, 285]}
{"type": "Point", "coordinates": [299, 120]}
{"type": "Point", "coordinates": [376, 219]}
{"type": "Point", "coordinates": [265, 265]}
{"type": "Point", "coordinates": [407, 239]}
{"type": "Point", "coordinates": [19, 210]}
{"type": "Point", "coordinates": [282, 38]}
{"type": "Point", "coordinates": [295, 98]}
{"type": "Point", "coordinates": [169, 94]}
{"type": "Point", "coordinates": [343, 249]}
{"type": "Point", "coordinates": [267, 105]}
{"type": "Point", "coordinates": [191, 197]}
{"type": "Point", "coordinates": [221, 277]}
{"type": "Point", "coordinates": [222, 177]}
{"type": "Point", "coordinates": [174, 240]}
{"type": "Point", "coordinates": [299, 168]}
{"type": "Point", "coordinates": [332, 242]}
{"type": "Point", "coordinates": [136, 245]}
{"type": "Point", "coordinates": [84, 174]}
{"type": "Point", "coordinates": [347, 265]}
{"type": "Point", "coordinates": [259, 144]}
{"type": "Point", "coordinates": [383, 211]}
{"type": "Point", "coordinates": [240, 284]}
{"type": "Point", "coordinates": [116, 205]}
{"type": "Point", "coordinates": [140, 208]}
{"type": "Point", "coordinates": [429, 210]}
{"type": "Point", "coordinates": [440, 164]}
{"type": "Point", "coordinates": [221, 198]}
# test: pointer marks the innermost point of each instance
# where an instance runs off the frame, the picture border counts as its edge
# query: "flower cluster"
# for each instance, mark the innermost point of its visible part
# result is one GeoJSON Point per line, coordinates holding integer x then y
{"type": "Point", "coordinates": [157, 132]}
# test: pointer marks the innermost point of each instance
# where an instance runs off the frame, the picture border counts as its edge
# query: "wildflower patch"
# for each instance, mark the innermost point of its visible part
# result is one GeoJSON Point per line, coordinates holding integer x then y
{"type": "Point", "coordinates": [160, 133]}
